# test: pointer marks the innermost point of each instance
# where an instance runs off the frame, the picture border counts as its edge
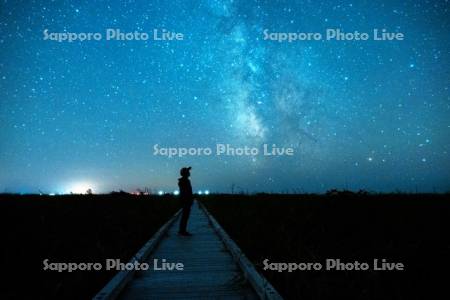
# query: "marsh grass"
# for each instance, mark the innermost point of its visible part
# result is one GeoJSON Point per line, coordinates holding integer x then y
{"type": "Point", "coordinates": [75, 228]}
{"type": "Point", "coordinates": [412, 229]}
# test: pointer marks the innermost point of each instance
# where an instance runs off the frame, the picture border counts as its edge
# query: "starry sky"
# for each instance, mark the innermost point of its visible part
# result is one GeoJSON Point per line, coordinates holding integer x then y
{"type": "Point", "coordinates": [369, 115]}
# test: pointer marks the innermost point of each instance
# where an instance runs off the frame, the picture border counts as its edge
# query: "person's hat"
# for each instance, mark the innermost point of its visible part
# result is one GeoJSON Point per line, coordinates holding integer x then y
{"type": "Point", "coordinates": [185, 171]}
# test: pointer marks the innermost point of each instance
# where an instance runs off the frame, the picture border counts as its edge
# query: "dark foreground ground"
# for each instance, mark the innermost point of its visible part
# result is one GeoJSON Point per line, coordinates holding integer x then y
{"type": "Point", "coordinates": [72, 229]}
{"type": "Point", "coordinates": [412, 229]}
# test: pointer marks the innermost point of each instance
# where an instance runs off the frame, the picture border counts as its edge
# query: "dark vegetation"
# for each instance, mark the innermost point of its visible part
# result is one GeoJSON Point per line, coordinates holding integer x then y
{"type": "Point", "coordinates": [72, 228]}
{"type": "Point", "coordinates": [412, 229]}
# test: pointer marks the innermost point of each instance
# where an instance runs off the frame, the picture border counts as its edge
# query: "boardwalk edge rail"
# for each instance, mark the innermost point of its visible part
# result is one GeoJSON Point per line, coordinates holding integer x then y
{"type": "Point", "coordinates": [113, 288]}
{"type": "Point", "coordinates": [262, 287]}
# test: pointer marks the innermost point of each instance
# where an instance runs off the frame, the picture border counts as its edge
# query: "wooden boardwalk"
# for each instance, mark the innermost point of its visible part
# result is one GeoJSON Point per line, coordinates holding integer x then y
{"type": "Point", "coordinates": [211, 270]}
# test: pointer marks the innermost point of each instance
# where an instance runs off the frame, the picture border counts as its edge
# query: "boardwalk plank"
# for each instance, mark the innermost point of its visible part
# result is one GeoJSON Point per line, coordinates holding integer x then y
{"type": "Point", "coordinates": [209, 269]}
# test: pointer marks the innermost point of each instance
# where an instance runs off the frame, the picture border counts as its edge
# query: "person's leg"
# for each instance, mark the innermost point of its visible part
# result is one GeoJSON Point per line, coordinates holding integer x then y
{"type": "Point", "coordinates": [184, 218]}
{"type": "Point", "coordinates": [188, 213]}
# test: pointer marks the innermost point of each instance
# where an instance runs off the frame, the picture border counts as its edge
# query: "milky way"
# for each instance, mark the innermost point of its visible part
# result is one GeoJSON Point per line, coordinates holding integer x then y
{"type": "Point", "coordinates": [369, 114]}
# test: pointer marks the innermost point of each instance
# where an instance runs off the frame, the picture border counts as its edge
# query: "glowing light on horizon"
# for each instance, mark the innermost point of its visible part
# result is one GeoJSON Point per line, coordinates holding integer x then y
{"type": "Point", "coordinates": [81, 187]}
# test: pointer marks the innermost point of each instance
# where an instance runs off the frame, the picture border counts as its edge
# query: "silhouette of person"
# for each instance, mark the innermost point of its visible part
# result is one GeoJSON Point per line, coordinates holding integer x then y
{"type": "Point", "coordinates": [186, 198]}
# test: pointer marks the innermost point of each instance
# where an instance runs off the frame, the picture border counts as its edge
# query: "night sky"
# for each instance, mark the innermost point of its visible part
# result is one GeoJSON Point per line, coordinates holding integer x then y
{"type": "Point", "coordinates": [369, 115]}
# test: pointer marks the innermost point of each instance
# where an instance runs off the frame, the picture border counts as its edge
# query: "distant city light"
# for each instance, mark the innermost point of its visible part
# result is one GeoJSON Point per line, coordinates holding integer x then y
{"type": "Point", "coordinates": [200, 192]}
{"type": "Point", "coordinates": [176, 192]}
{"type": "Point", "coordinates": [80, 188]}
{"type": "Point", "coordinates": [206, 192]}
{"type": "Point", "coordinates": [160, 193]}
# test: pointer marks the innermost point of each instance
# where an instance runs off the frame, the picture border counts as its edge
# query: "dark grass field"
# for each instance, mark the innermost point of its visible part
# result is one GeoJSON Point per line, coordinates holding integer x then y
{"type": "Point", "coordinates": [412, 229]}
{"type": "Point", "coordinates": [72, 228]}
